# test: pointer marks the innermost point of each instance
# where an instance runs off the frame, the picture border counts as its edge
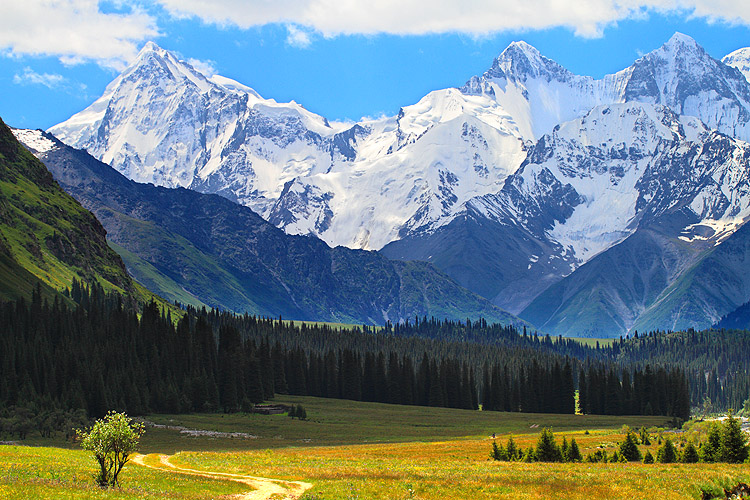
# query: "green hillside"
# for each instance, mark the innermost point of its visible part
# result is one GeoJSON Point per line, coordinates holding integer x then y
{"type": "Point", "coordinates": [45, 234]}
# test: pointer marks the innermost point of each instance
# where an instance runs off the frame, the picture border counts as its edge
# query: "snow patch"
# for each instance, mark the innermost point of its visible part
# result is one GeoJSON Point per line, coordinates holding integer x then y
{"type": "Point", "coordinates": [35, 140]}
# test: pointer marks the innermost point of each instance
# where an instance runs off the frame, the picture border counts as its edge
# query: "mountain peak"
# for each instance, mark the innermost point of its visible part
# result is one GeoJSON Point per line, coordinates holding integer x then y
{"type": "Point", "coordinates": [683, 48]}
{"type": "Point", "coordinates": [150, 47]}
{"type": "Point", "coordinates": [156, 64]}
{"type": "Point", "coordinates": [521, 60]}
{"type": "Point", "coordinates": [520, 46]}
{"type": "Point", "coordinates": [681, 39]}
{"type": "Point", "coordinates": [520, 51]}
{"type": "Point", "coordinates": [739, 59]}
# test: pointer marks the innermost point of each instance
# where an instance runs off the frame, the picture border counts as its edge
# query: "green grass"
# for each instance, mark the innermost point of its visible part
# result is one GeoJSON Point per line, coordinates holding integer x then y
{"type": "Point", "coordinates": [53, 473]}
{"type": "Point", "coordinates": [591, 341]}
{"type": "Point", "coordinates": [368, 450]}
{"type": "Point", "coordinates": [333, 422]}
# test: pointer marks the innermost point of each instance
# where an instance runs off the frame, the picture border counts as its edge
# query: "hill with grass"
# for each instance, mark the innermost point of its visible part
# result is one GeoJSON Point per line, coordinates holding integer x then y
{"type": "Point", "coordinates": [46, 236]}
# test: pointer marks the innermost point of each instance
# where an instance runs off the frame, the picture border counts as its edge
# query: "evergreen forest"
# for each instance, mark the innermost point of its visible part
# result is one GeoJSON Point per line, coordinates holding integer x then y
{"type": "Point", "coordinates": [103, 353]}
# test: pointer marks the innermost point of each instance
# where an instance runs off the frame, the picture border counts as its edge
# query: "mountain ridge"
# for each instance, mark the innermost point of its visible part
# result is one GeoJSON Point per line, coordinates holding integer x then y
{"type": "Point", "coordinates": [469, 162]}
{"type": "Point", "coordinates": [225, 255]}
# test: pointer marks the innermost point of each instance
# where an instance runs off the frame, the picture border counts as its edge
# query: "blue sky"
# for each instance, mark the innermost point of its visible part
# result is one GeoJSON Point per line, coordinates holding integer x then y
{"type": "Point", "coordinates": [335, 59]}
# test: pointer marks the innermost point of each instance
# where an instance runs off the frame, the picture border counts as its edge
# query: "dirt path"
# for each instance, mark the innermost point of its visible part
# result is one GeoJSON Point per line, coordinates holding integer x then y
{"type": "Point", "coordinates": [263, 488]}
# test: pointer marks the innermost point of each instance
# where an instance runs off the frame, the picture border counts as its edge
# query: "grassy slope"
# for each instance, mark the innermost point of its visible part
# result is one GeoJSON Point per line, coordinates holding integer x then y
{"type": "Point", "coordinates": [605, 296]}
{"type": "Point", "coordinates": [369, 450]}
{"type": "Point", "coordinates": [48, 238]}
{"type": "Point", "coordinates": [46, 232]}
{"type": "Point", "coordinates": [53, 473]}
{"type": "Point", "coordinates": [152, 279]}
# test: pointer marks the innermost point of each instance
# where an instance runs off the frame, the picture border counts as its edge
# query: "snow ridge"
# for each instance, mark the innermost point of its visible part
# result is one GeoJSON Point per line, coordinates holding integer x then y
{"type": "Point", "coordinates": [457, 149]}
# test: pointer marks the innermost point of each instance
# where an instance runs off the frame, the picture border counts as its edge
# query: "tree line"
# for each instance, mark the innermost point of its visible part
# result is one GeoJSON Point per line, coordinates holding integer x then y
{"type": "Point", "coordinates": [725, 442]}
{"type": "Point", "coordinates": [104, 354]}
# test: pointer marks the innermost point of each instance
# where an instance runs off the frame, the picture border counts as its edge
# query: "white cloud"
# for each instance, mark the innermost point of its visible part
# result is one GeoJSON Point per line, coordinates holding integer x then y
{"type": "Point", "coordinates": [73, 30]}
{"type": "Point", "coordinates": [207, 68]}
{"type": "Point", "coordinates": [53, 81]}
{"type": "Point", "coordinates": [31, 77]}
{"type": "Point", "coordinates": [477, 17]}
{"type": "Point", "coordinates": [297, 37]}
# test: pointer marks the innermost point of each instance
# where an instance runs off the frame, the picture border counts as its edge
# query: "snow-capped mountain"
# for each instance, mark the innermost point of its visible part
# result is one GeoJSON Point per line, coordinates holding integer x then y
{"type": "Point", "coordinates": [358, 185]}
{"type": "Point", "coordinates": [540, 94]}
{"type": "Point", "coordinates": [739, 59]}
{"type": "Point", "coordinates": [650, 191]}
{"type": "Point", "coordinates": [412, 172]}
{"type": "Point", "coordinates": [367, 184]}
{"type": "Point", "coordinates": [585, 187]}
{"type": "Point", "coordinates": [162, 121]}
{"type": "Point", "coordinates": [509, 183]}
{"type": "Point", "coordinates": [593, 180]}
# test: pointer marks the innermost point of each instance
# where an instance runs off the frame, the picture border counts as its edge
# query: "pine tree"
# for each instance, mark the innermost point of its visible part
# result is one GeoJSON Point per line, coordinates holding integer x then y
{"type": "Point", "coordinates": [629, 447]}
{"type": "Point", "coordinates": [512, 450]}
{"type": "Point", "coordinates": [301, 413]}
{"type": "Point", "coordinates": [644, 436]}
{"type": "Point", "coordinates": [498, 453]}
{"type": "Point", "coordinates": [666, 453]}
{"type": "Point", "coordinates": [689, 454]}
{"type": "Point", "coordinates": [733, 447]}
{"type": "Point", "coordinates": [648, 458]}
{"type": "Point", "coordinates": [547, 449]}
{"type": "Point", "coordinates": [574, 453]}
{"type": "Point", "coordinates": [709, 452]}
{"type": "Point", "coordinates": [565, 450]}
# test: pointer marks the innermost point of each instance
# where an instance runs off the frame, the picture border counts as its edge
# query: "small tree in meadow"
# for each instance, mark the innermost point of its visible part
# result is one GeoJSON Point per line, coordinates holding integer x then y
{"type": "Point", "coordinates": [597, 456]}
{"type": "Point", "coordinates": [629, 447]}
{"type": "Point", "coordinates": [564, 449]}
{"type": "Point", "coordinates": [710, 449]}
{"type": "Point", "coordinates": [301, 412]}
{"type": "Point", "coordinates": [528, 455]}
{"type": "Point", "coordinates": [648, 458]}
{"type": "Point", "coordinates": [644, 436]}
{"type": "Point", "coordinates": [511, 450]}
{"type": "Point", "coordinates": [689, 454]}
{"type": "Point", "coordinates": [498, 452]}
{"type": "Point", "coordinates": [111, 440]}
{"type": "Point", "coordinates": [666, 453]}
{"type": "Point", "coordinates": [733, 443]}
{"type": "Point", "coordinates": [574, 453]}
{"type": "Point", "coordinates": [546, 447]}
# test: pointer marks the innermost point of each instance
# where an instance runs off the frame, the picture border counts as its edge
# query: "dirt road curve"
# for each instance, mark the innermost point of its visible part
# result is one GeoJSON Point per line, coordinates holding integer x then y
{"type": "Point", "coordinates": [263, 488]}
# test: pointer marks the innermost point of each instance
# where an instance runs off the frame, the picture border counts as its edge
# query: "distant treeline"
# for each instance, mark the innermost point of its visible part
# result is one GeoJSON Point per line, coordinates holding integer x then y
{"type": "Point", "coordinates": [717, 362]}
{"type": "Point", "coordinates": [104, 354]}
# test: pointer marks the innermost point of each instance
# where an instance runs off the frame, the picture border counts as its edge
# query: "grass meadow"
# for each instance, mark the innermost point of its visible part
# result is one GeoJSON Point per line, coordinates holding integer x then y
{"type": "Point", "coordinates": [351, 450]}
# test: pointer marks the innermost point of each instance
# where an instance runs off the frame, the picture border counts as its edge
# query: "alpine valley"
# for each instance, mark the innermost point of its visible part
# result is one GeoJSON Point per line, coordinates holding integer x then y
{"type": "Point", "coordinates": [587, 207]}
{"type": "Point", "coordinates": [204, 250]}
